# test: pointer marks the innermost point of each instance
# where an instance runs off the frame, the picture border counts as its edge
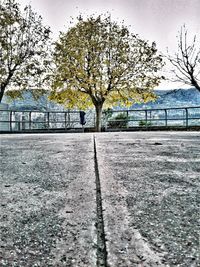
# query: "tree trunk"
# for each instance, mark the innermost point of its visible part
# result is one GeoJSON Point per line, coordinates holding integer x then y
{"type": "Point", "coordinates": [5, 83]}
{"type": "Point", "coordinates": [195, 84]}
{"type": "Point", "coordinates": [98, 117]}
{"type": "Point", "coordinates": [2, 89]}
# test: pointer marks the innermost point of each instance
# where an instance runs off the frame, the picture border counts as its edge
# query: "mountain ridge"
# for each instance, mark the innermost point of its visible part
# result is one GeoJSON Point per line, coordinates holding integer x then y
{"type": "Point", "coordinates": [173, 98]}
{"type": "Point", "coordinates": [166, 99]}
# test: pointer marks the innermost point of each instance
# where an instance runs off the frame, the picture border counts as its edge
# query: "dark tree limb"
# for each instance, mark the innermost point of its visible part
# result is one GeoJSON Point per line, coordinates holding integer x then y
{"type": "Point", "coordinates": [186, 62]}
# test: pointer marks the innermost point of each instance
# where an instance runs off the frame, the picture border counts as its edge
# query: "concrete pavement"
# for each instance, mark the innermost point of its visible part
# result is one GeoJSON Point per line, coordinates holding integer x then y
{"type": "Point", "coordinates": [50, 204]}
{"type": "Point", "coordinates": [48, 201]}
{"type": "Point", "coordinates": [150, 189]}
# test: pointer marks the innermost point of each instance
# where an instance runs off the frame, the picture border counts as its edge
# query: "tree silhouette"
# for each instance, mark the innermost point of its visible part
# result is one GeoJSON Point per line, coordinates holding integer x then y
{"type": "Point", "coordinates": [186, 61]}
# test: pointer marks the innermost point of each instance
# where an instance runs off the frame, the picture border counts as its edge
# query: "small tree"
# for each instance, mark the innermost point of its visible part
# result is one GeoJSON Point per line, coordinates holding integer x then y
{"type": "Point", "coordinates": [186, 61]}
{"type": "Point", "coordinates": [99, 62]}
{"type": "Point", "coordinates": [23, 47]}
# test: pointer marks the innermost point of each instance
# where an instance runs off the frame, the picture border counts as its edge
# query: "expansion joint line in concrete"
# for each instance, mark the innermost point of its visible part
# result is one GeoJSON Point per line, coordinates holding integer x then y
{"type": "Point", "coordinates": [101, 242]}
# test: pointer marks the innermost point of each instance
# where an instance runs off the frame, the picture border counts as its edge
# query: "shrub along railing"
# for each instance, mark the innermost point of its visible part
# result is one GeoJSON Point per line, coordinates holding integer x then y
{"type": "Point", "coordinates": [30, 121]}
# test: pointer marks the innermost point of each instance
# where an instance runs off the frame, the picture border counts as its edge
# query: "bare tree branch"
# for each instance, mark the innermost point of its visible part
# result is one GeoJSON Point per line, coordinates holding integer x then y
{"type": "Point", "coordinates": [186, 62]}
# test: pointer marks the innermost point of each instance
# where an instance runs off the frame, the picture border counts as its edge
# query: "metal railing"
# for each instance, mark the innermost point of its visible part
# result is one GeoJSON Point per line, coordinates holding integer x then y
{"type": "Point", "coordinates": [20, 121]}
{"type": "Point", "coordinates": [166, 117]}
{"type": "Point", "coordinates": [14, 120]}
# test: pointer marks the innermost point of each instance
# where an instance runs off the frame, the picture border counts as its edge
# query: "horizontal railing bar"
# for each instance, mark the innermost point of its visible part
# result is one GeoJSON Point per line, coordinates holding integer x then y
{"type": "Point", "coordinates": [26, 121]}
{"type": "Point", "coordinates": [153, 109]}
{"type": "Point", "coordinates": [70, 122]}
{"type": "Point", "coordinates": [161, 119]}
{"type": "Point", "coordinates": [77, 121]}
{"type": "Point", "coordinates": [36, 111]}
{"type": "Point", "coordinates": [77, 112]}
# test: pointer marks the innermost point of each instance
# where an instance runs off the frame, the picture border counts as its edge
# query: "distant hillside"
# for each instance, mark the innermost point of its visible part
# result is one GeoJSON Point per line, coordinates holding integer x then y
{"type": "Point", "coordinates": [173, 98]}
{"type": "Point", "coordinates": [166, 99]}
{"type": "Point", "coordinates": [30, 103]}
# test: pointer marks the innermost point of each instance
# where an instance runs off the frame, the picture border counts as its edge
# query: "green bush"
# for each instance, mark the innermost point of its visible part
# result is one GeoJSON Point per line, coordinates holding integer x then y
{"type": "Point", "coordinates": [145, 123]}
{"type": "Point", "coordinates": [119, 121]}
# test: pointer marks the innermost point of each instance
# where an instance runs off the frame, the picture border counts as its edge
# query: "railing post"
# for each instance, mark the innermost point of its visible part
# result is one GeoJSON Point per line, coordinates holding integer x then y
{"type": "Point", "coordinates": [68, 117]}
{"type": "Point", "coordinates": [146, 119]}
{"type": "Point", "coordinates": [106, 123]}
{"type": "Point", "coordinates": [48, 120]}
{"type": "Point", "coordinates": [150, 116]}
{"type": "Point", "coordinates": [65, 120]}
{"type": "Point", "coordinates": [30, 126]}
{"type": "Point", "coordinates": [127, 119]}
{"type": "Point", "coordinates": [186, 116]}
{"type": "Point", "coordinates": [11, 121]}
{"type": "Point", "coordinates": [23, 121]}
{"type": "Point", "coordinates": [165, 117]}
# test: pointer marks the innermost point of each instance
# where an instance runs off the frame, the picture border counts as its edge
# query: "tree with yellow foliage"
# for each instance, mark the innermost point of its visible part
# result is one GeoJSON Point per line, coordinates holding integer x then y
{"type": "Point", "coordinates": [24, 49]}
{"type": "Point", "coordinates": [100, 63]}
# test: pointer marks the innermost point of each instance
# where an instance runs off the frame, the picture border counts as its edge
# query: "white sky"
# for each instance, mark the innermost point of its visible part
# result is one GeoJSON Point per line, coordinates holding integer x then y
{"type": "Point", "coordinates": [153, 20]}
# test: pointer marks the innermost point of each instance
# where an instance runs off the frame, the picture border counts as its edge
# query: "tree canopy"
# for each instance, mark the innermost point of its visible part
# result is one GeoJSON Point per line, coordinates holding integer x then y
{"type": "Point", "coordinates": [24, 48]}
{"type": "Point", "coordinates": [186, 61]}
{"type": "Point", "coordinates": [99, 62]}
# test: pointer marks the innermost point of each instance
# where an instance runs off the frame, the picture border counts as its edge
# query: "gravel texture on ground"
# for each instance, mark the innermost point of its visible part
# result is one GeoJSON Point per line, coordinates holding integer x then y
{"type": "Point", "coordinates": [47, 201]}
{"type": "Point", "coordinates": [150, 197]}
{"type": "Point", "coordinates": [150, 189]}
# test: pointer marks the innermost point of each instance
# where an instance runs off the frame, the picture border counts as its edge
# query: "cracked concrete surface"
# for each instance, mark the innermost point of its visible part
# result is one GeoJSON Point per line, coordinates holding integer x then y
{"type": "Point", "coordinates": [48, 209]}
{"type": "Point", "coordinates": [149, 190]}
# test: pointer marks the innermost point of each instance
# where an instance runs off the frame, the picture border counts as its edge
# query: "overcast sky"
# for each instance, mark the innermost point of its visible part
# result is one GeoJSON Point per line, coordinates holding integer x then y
{"type": "Point", "coordinates": [154, 20]}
